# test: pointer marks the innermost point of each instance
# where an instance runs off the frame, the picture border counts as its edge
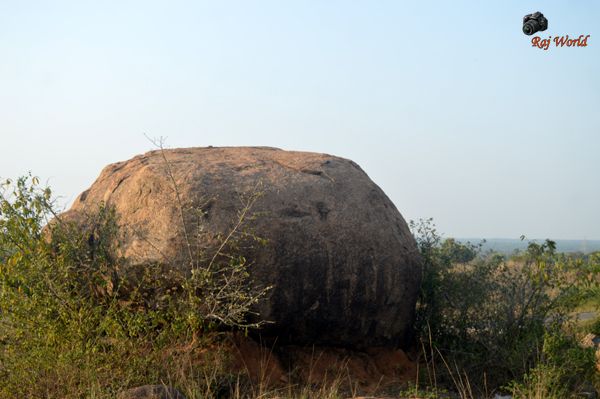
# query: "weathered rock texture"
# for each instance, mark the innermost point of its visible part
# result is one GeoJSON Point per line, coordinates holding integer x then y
{"type": "Point", "coordinates": [344, 266]}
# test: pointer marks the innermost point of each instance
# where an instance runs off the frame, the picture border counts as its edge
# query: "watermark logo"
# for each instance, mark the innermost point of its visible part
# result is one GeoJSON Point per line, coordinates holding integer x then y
{"type": "Point", "coordinates": [560, 41]}
{"type": "Point", "coordinates": [534, 22]}
{"type": "Point", "coordinates": [537, 22]}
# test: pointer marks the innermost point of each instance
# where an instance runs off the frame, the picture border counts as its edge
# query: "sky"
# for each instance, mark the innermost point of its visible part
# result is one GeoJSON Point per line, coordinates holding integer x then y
{"type": "Point", "coordinates": [445, 105]}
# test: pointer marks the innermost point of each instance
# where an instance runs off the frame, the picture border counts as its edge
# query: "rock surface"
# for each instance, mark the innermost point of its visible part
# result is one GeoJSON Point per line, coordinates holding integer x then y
{"type": "Point", "coordinates": [592, 341]}
{"type": "Point", "coordinates": [344, 266]}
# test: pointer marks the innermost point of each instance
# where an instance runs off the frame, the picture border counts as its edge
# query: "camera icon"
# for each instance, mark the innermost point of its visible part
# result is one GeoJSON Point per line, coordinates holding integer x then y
{"type": "Point", "coordinates": [533, 23]}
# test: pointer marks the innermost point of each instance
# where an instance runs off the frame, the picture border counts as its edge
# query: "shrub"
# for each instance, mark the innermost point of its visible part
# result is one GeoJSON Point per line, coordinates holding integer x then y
{"type": "Point", "coordinates": [563, 370]}
{"type": "Point", "coordinates": [77, 320]}
{"type": "Point", "coordinates": [486, 315]}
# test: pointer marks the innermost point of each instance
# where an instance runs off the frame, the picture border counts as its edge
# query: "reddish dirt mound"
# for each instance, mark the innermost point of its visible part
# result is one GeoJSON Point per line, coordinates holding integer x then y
{"type": "Point", "coordinates": [368, 370]}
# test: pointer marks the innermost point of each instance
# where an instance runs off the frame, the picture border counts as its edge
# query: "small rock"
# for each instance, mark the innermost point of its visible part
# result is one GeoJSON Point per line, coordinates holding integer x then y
{"type": "Point", "coordinates": [151, 392]}
{"type": "Point", "coordinates": [370, 397]}
{"type": "Point", "coordinates": [592, 341]}
{"type": "Point", "coordinates": [588, 391]}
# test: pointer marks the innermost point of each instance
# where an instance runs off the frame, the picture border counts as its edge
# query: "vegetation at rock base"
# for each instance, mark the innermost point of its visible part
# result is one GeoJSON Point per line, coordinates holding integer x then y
{"type": "Point", "coordinates": [77, 321]}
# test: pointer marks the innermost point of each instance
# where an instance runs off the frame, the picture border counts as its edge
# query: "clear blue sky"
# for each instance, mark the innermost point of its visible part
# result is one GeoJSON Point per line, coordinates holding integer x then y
{"type": "Point", "coordinates": [444, 104]}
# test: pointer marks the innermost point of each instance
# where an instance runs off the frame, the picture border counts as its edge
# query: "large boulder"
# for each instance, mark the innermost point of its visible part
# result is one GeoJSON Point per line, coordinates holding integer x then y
{"type": "Point", "coordinates": [343, 264]}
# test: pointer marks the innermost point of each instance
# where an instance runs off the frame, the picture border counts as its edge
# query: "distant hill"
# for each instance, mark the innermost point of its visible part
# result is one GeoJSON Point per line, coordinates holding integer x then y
{"type": "Point", "coordinates": [509, 245]}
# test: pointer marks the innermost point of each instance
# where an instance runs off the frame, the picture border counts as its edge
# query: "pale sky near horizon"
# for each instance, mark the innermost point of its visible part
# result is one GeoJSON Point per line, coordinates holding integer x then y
{"type": "Point", "coordinates": [445, 105]}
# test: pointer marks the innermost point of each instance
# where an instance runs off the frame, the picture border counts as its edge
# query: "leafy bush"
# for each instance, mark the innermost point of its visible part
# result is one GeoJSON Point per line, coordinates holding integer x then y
{"type": "Point", "coordinates": [490, 316]}
{"type": "Point", "coordinates": [77, 320]}
{"type": "Point", "coordinates": [563, 370]}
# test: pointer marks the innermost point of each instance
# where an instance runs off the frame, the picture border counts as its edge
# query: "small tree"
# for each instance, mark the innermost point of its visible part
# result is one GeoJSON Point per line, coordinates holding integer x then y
{"type": "Point", "coordinates": [489, 315]}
